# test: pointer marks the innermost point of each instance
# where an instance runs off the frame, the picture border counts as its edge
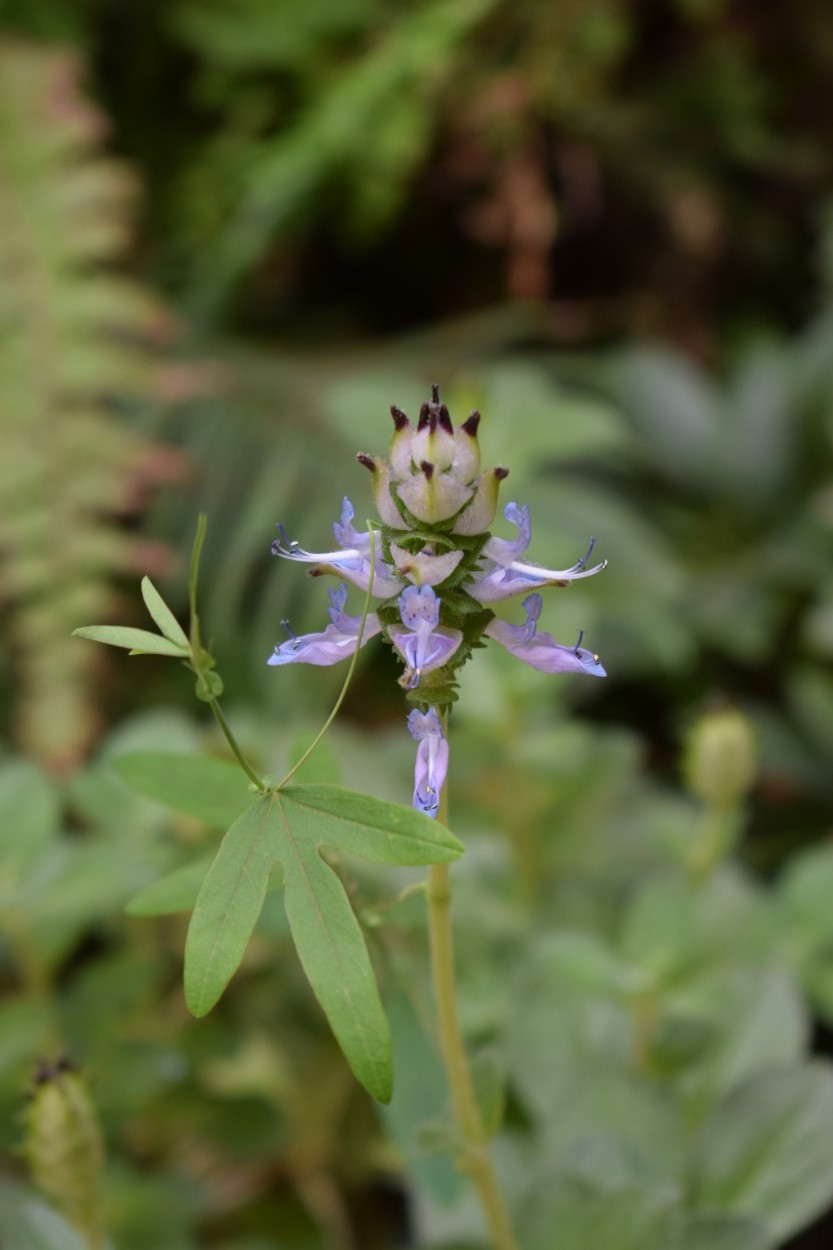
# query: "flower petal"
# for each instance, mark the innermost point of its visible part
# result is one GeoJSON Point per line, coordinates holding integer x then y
{"type": "Point", "coordinates": [330, 646]}
{"type": "Point", "coordinates": [431, 765]}
{"type": "Point", "coordinates": [544, 653]}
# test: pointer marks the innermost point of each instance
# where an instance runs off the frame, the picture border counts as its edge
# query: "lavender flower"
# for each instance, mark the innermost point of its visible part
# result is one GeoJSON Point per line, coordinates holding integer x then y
{"type": "Point", "coordinates": [423, 643]}
{"type": "Point", "coordinates": [541, 650]}
{"type": "Point", "coordinates": [337, 642]}
{"type": "Point", "coordinates": [431, 759]}
{"type": "Point", "coordinates": [436, 571]}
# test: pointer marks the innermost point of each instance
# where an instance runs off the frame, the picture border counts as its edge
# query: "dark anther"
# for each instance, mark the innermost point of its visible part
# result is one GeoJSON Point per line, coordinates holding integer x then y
{"type": "Point", "coordinates": [369, 462]}
{"type": "Point", "coordinates": [500, 474]}
{"type": "Point", "coordinates": [428, 469]}
{"type": "Point", "coordinates": [471, 423]}
{"type": "Point", "coordinates": [400, 419]}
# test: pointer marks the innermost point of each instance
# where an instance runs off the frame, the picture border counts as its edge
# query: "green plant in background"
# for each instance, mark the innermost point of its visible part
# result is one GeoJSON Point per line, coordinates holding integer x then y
{"type": "Point", "coordinates": [76, 344]}
{"type": "Point", "coordinates": [651, 1107]}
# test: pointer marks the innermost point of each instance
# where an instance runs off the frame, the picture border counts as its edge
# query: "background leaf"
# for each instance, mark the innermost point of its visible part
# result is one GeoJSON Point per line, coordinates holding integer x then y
{"type": "Point", "coordinates": [765, 1151]}
{"type": "Point", "coordinates": [213, 790]}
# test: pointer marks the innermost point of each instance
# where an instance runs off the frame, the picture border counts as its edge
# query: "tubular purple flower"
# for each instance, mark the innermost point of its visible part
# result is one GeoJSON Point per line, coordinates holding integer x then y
{"type": "Point", "coordinates": [431, 759]}
{"type": "Point", "coordinates": [541, 650]}
{"type": "Point", "coordinates": [352, 559]}
{"type": "Point", "coordinates": [335, 643]}
{"type": "Point", "coordinates": [505, 575]}
{"type": "Point", "coordinates": [423, 642]}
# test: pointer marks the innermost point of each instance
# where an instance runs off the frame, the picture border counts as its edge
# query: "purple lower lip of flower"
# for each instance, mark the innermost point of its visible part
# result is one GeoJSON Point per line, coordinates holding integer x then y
{"type": "Point", "coordinates": [423, 642]}
{"type": "Point", "coordinates": [331, 645]}
{"type": "Point", "coordinates": [541, 651]}
{"type": "Point", "coordinates": [431, 760]}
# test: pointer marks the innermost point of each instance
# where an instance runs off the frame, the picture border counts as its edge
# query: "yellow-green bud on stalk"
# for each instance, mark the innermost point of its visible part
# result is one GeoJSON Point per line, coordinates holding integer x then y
{"type": "Point", "coordinates": [721, 759]}
{"type": "Point", "coordinates": [64, 1148]}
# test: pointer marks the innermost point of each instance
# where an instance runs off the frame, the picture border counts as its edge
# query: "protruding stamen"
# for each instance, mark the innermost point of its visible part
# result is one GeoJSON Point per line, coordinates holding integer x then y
{"type": "Point", "coordinates": [284, 545]}
{"type": "Point", "coordinates": [582, 563]}
{"type": "Point", "coordinates": [578, 641]}
{"type": "Point", "coordinates": [400, 419]}
{"type": "Point", "coordinates": [296, 641]}
{"type": "Point", "coordinates": [435, 392]}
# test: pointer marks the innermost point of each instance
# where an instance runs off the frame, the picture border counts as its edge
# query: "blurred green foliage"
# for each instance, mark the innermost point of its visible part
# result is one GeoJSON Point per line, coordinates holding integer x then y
{"type": "Point", "coordinates": [347, 201]}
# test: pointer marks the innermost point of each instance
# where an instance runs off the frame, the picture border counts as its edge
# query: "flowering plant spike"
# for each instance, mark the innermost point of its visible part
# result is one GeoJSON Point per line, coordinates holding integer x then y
{"type": "Point", "coordinates": [437, 570]}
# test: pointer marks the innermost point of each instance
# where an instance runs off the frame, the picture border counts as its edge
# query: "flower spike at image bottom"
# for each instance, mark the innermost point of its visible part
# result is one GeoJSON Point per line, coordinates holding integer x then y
{"type": "Point", "coordinates": [436, 568]}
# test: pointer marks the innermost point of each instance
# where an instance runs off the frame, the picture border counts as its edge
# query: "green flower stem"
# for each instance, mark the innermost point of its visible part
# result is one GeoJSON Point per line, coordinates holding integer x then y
{"type": "Point", "coordinates": [475, 1156]}
{"type": "Point", "coordinates": [238, 754]}
{"type": "Point", "coordinates": [365, 612]}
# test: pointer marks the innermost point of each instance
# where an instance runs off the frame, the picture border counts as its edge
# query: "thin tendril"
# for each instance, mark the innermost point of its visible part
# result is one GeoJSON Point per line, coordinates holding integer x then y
{"type": "Point", "coordinates": [350, 671]}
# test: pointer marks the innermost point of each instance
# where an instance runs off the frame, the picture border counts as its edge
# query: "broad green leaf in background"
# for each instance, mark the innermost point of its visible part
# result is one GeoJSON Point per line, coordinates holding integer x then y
{"type": "Point", "coordinates": [576, 1215]}
{"type": "Point", "coordinates": [29, 819]}
{"type": "Point", "coordinates": [28, 1223]}
{"type": "Point", "coordinates": [137, 641]}
{"type": "Point", "coordinates": [175, 892]}
{"type": "Point", "coordinates": [765, 1150]}
{"type": "Point", "coordinates": [213, 790]}
{"type": "Point", "coordinates": [288, 827]}
{"type": "Point", "coordinates": [725, 1232]}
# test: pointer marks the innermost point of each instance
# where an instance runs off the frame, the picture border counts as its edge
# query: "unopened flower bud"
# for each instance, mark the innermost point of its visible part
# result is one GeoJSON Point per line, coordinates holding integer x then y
{"type": "Point", "coordinates": [64, 1147]}
{"type": "Point", "coordinates": [721, 759]}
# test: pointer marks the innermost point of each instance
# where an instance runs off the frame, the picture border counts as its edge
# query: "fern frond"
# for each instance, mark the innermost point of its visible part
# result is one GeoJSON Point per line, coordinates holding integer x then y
{"type": "Point", "coordinates": [77, 342]}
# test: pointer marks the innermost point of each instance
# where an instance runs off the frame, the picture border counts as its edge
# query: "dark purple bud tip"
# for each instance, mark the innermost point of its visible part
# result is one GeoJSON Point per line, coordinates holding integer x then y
{"type": "Point", "coordinates": [369, 462]}
{"type": "Point", "coordinates": [500, 474]}
{"type": "Point", "coordinates": [424, 417]}
{"type": "Point", "coordinates": [400, 419]}
{"type": "Point", "coordinates": [435, 392]}
{"type": "Point", "coordinates": [428, 469]}
{"type": "Point", "coordinates": [471, 423]}
{"type": "Point", "coordinates": [444, 420]}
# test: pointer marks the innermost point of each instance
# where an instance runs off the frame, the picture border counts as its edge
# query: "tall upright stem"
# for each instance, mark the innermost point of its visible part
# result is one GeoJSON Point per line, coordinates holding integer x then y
{"type": "Point", "coordinates": [475, 1156]}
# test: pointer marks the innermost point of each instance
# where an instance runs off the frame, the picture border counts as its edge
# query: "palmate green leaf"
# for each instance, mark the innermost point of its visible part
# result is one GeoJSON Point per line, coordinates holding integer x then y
{"type": "Point", "coordinates": [213, 790]}
{"type": "Point", "coordinates": [765, 1150]}
{"type": "Point", "coordinates": [289, 827]}
{"type": "Point", "coordinates": [179, 890]}
{"type": "Point", "coordinates": [162, 615]}
{"type": "Point", "coordinates": [136, 641]}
